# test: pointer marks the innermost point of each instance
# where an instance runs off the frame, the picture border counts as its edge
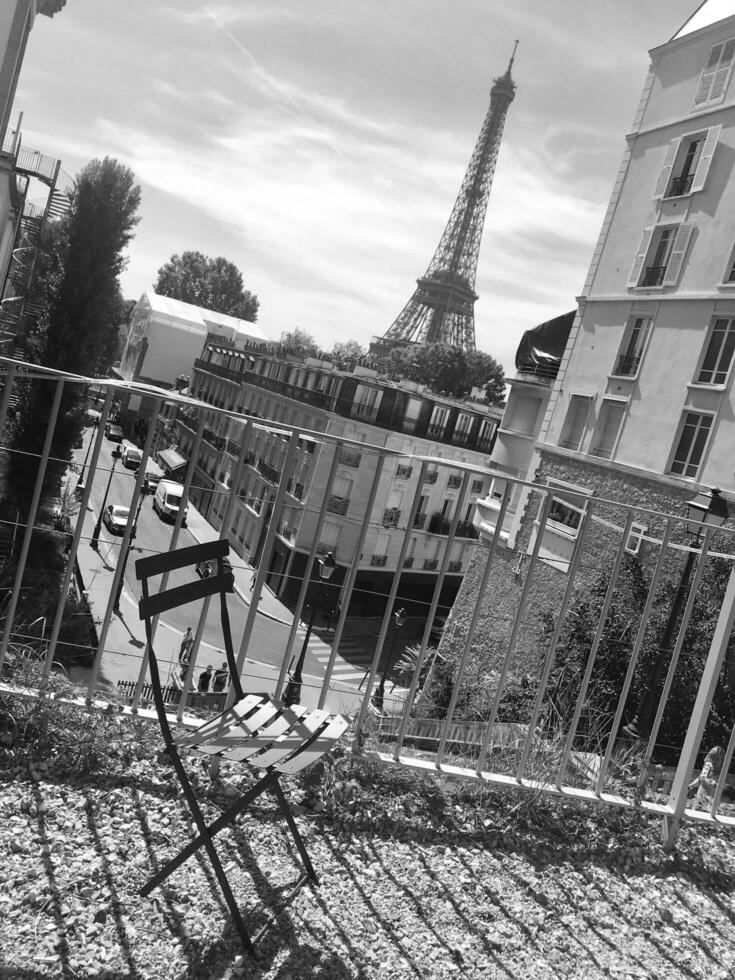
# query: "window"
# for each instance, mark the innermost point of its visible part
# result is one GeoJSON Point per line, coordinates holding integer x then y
{"type": "Point", "coordinates": [566, 514]}
{"type": "Point", "coordinates": [716, 74]}
{"type": "Point", "coordinates": [718, 355]}
{"type": "Point", "coordinates": [329, 537]}
{"type": "Point", "coordinates": [660, 255]}
{"type": "Point", "coordinates": [608, 428]}
{"type": "Point", "coordinates": [693, 435]}
{"type": "Point", "coordinates": [365, 399]}
{"type": "Point", "coordinates": [686, 163]}
{"type": "Point", "coordinates": [462, 428]}
{"type": "Point", "coordinates": [634, 343]}
{"type": "Point", "coordinates": [438, 421]}
{"type": "Point", "coordinates": [730, 271]}
{"type": "Point", "coordinates": [576, 420]}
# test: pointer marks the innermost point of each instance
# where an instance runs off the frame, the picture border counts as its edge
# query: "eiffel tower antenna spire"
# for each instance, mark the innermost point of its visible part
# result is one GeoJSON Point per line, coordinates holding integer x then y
{"type": "Point", "coordinates": [441, 310]}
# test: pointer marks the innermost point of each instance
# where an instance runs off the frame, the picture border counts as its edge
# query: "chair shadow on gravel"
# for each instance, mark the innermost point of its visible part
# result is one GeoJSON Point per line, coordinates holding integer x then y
{"type": "Point", "coordinates": [267, 921]}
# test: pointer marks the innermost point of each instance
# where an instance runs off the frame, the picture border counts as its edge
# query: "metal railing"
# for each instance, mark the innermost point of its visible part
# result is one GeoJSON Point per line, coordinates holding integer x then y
{"type": "Point", "coordinates": [556, 648]}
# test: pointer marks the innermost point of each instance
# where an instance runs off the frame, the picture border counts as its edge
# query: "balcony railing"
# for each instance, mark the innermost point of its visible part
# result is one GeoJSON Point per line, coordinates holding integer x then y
{"type": "Point", "coordinates": [268, 471]}
{"type": "Point", "coordinates": [349, 457]}
{"type": "Point", "coordinates": [653, 276]}
{"type": "Point", "coordinates": [431, 476]}
{"type": "Point", "coordinates": [338, 505]}
{"type": "Point", "coordinates": [454, 482]}
{"type": "Point", "coordinates": [454, 566]}
{"type": "Point", "coordinates": [680, 185]}
{"type": "Point", "coordinates": [68, 568]}
{"type": "Point", "coordinates": [627, 365]}
{"type": "Point", "coordinates": [419, 521]}
{"type": "Point", "coordinates": [408, 562]}
{"type": "Point", "coordinates": [403, 472]}
{"type": "Point", "coordinates": [295, 489]}
{"type": "Point", "coordinates": [391, 517]}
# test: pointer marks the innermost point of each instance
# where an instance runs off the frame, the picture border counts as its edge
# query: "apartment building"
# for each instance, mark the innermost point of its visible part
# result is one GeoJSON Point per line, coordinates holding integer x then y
{"type": "Point", "coordinates": [359, 410]}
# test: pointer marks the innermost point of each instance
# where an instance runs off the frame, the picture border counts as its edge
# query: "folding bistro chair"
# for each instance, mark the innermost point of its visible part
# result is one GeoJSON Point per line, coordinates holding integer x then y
{"type": "Point", "coordinates": [260, 731]}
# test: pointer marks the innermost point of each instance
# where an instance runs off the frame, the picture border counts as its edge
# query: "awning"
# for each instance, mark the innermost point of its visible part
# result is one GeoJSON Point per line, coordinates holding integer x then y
{"type": "Point", "coordinates": [171, 460]}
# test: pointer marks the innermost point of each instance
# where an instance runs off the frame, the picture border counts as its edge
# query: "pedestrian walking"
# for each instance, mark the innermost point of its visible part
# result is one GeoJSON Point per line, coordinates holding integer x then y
{"type": "Point", "coordinates": [219, 681]}
{"type": "Point", "coordinates": [186, 644]}
{"type": "Point", "coordinates": [204, 678]}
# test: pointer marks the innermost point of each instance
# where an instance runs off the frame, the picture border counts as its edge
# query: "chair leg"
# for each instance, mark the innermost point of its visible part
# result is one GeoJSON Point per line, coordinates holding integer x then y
{"type": "Point", "coordinates": [286, 811]}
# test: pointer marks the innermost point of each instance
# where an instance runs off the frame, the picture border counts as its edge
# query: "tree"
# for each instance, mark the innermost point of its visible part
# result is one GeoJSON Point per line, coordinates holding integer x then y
{"type": "Point", "coordinates": [77, 331]}
{"type": "Point", "coordinates": [214, 284]}
{"type": "Point", "coordinates": [297, 343]}
{"type": "Point", "coordinates": [345, 355]}
{"type": "Point", "coordinates": [483, 371]}
{"type": "Point", "coordinates": [448, 369]}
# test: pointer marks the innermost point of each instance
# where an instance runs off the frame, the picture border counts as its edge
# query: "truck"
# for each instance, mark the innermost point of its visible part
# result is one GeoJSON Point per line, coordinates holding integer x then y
{"type": "Point", "coordinates": [167, 500]}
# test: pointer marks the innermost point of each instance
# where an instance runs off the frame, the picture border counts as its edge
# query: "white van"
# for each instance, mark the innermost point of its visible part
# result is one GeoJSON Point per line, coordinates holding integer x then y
{"type": "Point", "coordinates": [167, 500]}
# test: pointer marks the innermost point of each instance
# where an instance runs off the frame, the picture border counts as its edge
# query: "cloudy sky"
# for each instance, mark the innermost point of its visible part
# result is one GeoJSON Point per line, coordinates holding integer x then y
{"type": "Point", "coordinates": [320, 145]}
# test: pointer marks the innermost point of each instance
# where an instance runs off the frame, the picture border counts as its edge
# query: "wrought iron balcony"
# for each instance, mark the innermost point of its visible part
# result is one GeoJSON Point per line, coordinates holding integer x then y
{"type": "Point", "coordinates": [391, 516]}
{"type": "Point", "coordinates": [627, 365]}
{"type": "Point", "coordinates": [454, 482]}
{"type": "Point", "coordinates": [268, 471]}
{"type": "Point", "coordinates": [379, 560]}
{"type": "Point", "coordinates": [431, 476]}
{"type": "Point", "coordinates": [408, 562]}
{"type": "Point", "coordinates": [680, 185]}
{"type": "Point", "coordinates": [477, 486]}
{"type": "Point", "coordinates": [653, 275]}
{"type": "Point", "coordinates": [348, 457]}
{"type": "Point", "coordinates": [338, 505]}
{"type": "Point", "coordinates": [295, 489]}
{"type": "Point", "coordinates": [403, 472]}
{"type": "Point", "coordinates": [454, 566]}
{"type": "Point", "coordinates": [431, 564]}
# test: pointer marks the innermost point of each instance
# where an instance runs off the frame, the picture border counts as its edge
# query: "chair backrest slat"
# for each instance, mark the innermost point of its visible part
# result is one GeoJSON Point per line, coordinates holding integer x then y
{"type": "Point", "coordinates": [170, 560]}
{"type": "Point", "coordinates": [160, 602]}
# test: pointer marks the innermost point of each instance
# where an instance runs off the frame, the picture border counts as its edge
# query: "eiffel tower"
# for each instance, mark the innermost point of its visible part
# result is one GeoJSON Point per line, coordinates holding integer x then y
{"type": "Point", "coordinates": [441, 310]}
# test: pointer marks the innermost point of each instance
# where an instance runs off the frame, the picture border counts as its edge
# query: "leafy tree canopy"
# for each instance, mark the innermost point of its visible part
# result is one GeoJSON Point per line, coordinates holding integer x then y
{"type": "Point", "coordinates": [345, 355]}
{"type": "Point", "coordinates": [447, 369]}
{"type": "Point", "coordinates": [297, 343]}
{"type": "Point", "coordinates": [214, 284]}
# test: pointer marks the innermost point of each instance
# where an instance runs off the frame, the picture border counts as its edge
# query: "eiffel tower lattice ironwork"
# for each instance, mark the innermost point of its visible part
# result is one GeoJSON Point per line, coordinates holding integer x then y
{"type": "Point", "coordinates": [442, 309]}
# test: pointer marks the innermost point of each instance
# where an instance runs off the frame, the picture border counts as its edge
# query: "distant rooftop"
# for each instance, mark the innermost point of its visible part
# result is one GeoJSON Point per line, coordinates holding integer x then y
{"type": "Point", "coordinates": [199, 315]}
{"type": "Point", "coordinates": [707, 13]}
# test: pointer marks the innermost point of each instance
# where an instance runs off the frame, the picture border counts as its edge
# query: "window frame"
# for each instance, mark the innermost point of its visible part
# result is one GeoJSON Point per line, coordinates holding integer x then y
{"type": "Point", "coordinates": [686, 411]}
{"type": "Point", "coordinates": [577, 396]}
{"type": "Point", "coordinates": [698, 103]}
{"type": "Point", "coordinates": [730, 320]}
{"type": "Point", "coordinates": [676, 254]}
{"type": "Point", "coordinates": [647, 318]}
{"type": "Point", "coordinates": [674, 157]}
{"type": "Point", "coordinates": [600, 424]}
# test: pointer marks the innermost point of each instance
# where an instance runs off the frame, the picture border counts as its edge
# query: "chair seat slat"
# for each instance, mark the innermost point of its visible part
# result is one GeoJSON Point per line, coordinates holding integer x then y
{"type": "Point", "coordinates": [292, 741]}
{"type": "Point", "coordinates": [233, 715]}
{"type": "Point", "coordinates": [323, 743]}
{"type": "Point", "coordinates": [263, 739]}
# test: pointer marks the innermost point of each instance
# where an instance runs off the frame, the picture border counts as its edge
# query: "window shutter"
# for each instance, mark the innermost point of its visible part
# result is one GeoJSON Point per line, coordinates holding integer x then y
{"type": "Point", "coordinates": [705, 83]}
{"type": "Point", "coordinates": [663, 178]}
{"type": "Point", "coordinates": [705, 159]}
{"type": "Point", "coordinates": [722, 73]}
{"type": "Point", "coordinates": [640, 258]}
{"type": "Point", "coordinates": [676, 261]}
{"type": "Point", "coordinates": [607, 435]}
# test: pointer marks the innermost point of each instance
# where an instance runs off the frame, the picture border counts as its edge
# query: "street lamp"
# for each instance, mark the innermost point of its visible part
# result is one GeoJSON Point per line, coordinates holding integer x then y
{"type": "Point", "coordinates": [379, 694]}
{"type": "Point", "coordinates": [116, 454]}
{"type": "Point", "coordinates": [705, 509]}
{"type": "Point", "coordinates": [326, 567]}
{"type": "Point", "coordinates": [124, 558]}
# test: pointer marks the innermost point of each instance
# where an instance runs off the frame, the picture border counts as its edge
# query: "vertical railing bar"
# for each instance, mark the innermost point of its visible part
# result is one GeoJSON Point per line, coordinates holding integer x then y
{"type": "Point", "coordinates": [556, 635]}
{"type": "Point", "coordinates": [698, 718]}
{"type": "Point", "coordinates": [722, 781]}
{"type": "Point", "coordinates": [78, 530]}
{"type": "Point", "coordinates": [593, 650]}
{"type": "Point", "coordinates": [118, 579]}
{"type": "Point", "coordinates": [442, 747]}
{"type": "Point", "coordinates": [308, 571]}
{"type": "Point", "coordinates": [173, 543]}
{"type": "Point", "coordinates": [204, 612]}
{"type": "Point", "coordinates": [395, 582]}
{"type": "Point", "coordinates": [266, 551]}
{"type": "Point", "coordinates": [31, 518]}
{"type": "Point", "coordinates": [350, 584]}
{"type": "Point", "coordinates": [634, 655]}
{"type": "Point", "coordinates": [515, 630]}
{"type": "Point", "coordinates": [473, 622]}
{"type": "Point", "coordinates": [698, 572]}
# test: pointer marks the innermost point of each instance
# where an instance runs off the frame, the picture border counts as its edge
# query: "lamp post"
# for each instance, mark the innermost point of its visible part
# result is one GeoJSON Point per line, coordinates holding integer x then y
{"type": "Point", "coordinates": [124, 559]}
{"type": "Point", "coordinates": [379, 693]}
{"type": "Point", "coordinates": [326, 567]}
{"type": "Point", "coordinates": [80, 482]}
{"type": "Point", "coordinates": [705, 509]}
{"type": "Point", "coordinates": [116, 454]}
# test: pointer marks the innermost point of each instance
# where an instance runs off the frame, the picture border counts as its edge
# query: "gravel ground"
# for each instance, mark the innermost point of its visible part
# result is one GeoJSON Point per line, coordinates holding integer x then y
{"type": "Point", "coordinates": [565, 898]}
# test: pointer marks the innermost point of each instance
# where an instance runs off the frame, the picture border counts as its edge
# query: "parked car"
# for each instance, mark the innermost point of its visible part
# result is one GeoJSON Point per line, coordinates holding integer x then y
{"type": "Point", "coordinates": [167, 501]}
{"type": "Point", "coordinates": [115, 517]}
{"type": "Point", "coordinates": [113, 432]}
{"type": "Point", "coordinates": [153, 476]}
{"type": "Point", "coordinates": [131, 457]}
